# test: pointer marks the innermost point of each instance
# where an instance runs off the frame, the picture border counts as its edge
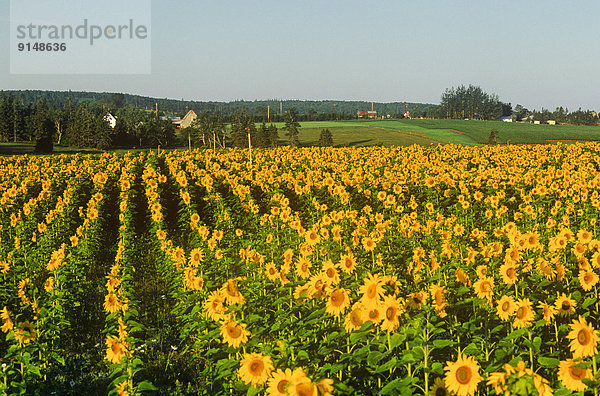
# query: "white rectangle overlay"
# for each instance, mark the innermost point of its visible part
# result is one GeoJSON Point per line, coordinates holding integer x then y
{"type": "Point", "coordinates": [80, 37]}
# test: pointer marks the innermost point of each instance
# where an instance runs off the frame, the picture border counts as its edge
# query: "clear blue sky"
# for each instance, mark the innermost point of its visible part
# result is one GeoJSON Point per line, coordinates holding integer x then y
{"type": "Point", "coordinates": [535, 53]}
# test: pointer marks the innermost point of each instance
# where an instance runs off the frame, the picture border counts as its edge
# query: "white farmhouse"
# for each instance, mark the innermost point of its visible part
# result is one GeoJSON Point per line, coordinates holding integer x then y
{"type": "Point", "coordinates": [111, 119]}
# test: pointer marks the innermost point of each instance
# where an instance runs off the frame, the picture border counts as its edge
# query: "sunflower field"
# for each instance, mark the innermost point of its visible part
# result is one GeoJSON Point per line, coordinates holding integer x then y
{"type": "Point", "coordinates": [354, 271]}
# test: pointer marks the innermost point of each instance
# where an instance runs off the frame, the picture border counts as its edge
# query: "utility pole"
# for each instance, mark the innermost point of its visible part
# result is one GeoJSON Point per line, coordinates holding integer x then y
{"type": "Point", "coordinates": [249, 148]}
{"type": "Point", "coordinates": [281, 108]}
{"type": "Point", "coordinates": [334, 111]}
{"type": "Point", "coordinates": [269, 113]}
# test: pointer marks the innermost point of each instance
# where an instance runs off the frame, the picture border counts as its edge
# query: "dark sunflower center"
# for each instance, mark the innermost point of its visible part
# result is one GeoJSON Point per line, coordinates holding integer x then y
{"type": "Point", "coordinates": [390, 313]}
{"type": "Point", "coordinates": [337, 298]}
{"type": "Point", "coordinates": [587, 278]}
{"type": "Point", "coordinates": [373, 314]}
{"type": "Point", "coordinates": [256, 367]}
{"type": "Point", "coordinates": [577, 373]}
{"type": "Point", "coordinates": [565, 306]}
{"type": "Point", "coordinates": [505, 306]}
{"type": "Point", "coordinates": [282, 385]}
{"type": "Point", "coordinates": [463, 375]}
{"type": "Point", "coordinates": [372, 291]}
{"type": "Point", "coordinates": [234, 331]}
{"type": "Point", "coordinates": [331, 272]}
{"type": "Point", "coordinates": [583, 337]}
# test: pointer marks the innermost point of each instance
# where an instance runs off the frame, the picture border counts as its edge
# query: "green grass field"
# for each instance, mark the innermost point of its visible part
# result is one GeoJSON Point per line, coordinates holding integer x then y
{"type": "Point", "coordinates": [403, 133]}
{"type": "Point", "coordinates": [425, 132]}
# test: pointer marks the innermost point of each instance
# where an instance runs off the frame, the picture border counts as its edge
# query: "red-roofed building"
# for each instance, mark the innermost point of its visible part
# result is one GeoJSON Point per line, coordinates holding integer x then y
{"type": "Point", "coordinates": [368, 114]}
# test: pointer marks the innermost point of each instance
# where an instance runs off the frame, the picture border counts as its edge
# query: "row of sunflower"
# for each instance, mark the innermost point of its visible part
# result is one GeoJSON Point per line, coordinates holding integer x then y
{"type": "Point", "coordinates": [317, 271]}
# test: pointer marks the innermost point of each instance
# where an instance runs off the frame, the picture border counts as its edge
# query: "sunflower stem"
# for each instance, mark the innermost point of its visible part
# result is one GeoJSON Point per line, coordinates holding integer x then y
{"type": "Point", "coordinates": [530, 350]}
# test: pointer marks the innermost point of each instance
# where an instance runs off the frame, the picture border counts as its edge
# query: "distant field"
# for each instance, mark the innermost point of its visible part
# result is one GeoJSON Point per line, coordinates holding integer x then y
{"type": "Point", "coordinates": [403, 133]}
{"type": "Point", "coordinates": [471, 132]}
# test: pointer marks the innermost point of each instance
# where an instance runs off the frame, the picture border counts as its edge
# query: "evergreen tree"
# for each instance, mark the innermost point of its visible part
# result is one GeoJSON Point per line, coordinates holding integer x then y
{"type": "Point", "coordinates": [262, 137]}
{"type": "Point", "coordinates": [273, 136]}
{"type": "Point", "coordinates": [325, 138]}
{"type": "Point", "coordinates": [18, 121]}
{"type": "Point", "coordinates": [240, 126]}
{"type": "Point", "coordinates": [291, 126]}
{"type": "Point", "coordinates": [6, 118]}
{"type": "Point", "coordinates": [43, 128]}
{"type": "Point", "coordinates": [494, 137]}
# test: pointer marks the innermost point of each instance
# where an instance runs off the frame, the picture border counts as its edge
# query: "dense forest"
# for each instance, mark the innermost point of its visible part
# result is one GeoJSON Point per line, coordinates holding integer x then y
{"type": "Point", "coordinates": [309, 110]}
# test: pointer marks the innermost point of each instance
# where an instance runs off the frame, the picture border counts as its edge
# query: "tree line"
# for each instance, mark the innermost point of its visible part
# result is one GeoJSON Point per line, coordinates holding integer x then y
{"type": "Point", "coordinates": [259, 110]}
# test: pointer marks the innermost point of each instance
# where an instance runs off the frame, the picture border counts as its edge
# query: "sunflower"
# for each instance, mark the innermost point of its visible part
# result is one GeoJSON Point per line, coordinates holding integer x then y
{"type": "Point", "coordinates": [415, 300]}
{"type": "Point", "coordinates": [4, 267]}
{"type": "Point", "coordinates": [304, 388]}
{"type": "Point", "coordinates": [461, 276]}
{"type": "Point", "coordinates": [316, 285]}
{"type": "Point", "coordinates": [196, 257]}
{"type": "Point", "coordinates": [584, 339]}
{"type": "Point", "coordinates": [348, 263]}
{"type": "Point", "coordinates": [439, 388]}
{"type": "Point", "coordinates": [325, 387]}
{"type": "Point", "coordinates": [312, 237]}
{"type": "Point", "coordinates": [234, 333]}
{"type": "Point", "coordinates": [374, 313]}
{"type": "Point", "coordinates": [303, 267]}
{"type": "Point", "coordinates": [232, 293]}
{"type": "Point", "coordinates": [371, 290]}
{"type": "Point", "coordinates": [122, 389]}
{"type": "Point", "coordinates": [213, 306]}
{"type": "Point", "coordinates": [272, 272]}
{"type": "Point", "coordinates": [506, 307]}
{"type": "Point", "coordinates": [587, 279]}
{"type": "Point", "coordinates": [497, 380]}
{"type": "Point", "coordinates": [337, 302]}
{"type": "Point", "coordinates": [111, 303]}
{"type": "Point", "coordinates": [116, 350]}
{"type": "Point", "coordinates": [391, 308]}
{"type": "Point", "coordinates": [572, 377]}
{"type": "Point", "coordinates": [8, 323]}
{"type": "Point", "coordinates": [329, 268]}
{"type": "Point", "coordinates": [584, 236]}
{"type": "Point", "coordinates": [484, 288]}
{"type": "Point", "coordinates": [524, 313]}
{"type": "Point", "coordinates": [508, 272]}
{"type": "Point", "coordinates": [564, 305]}
{"type": "Point", "coordinates": [438, 295]}
{"type": "Point", "coordinates": [49, 284]}
{"type": "Point", "coordinates": [368, 244]}
{"type": "Point", "coordinates": [255, 369]}
{"type": "Point", "coordinates": [462, 376]}
{"type": "Point", "coordinates": [548, 311]}
{"type": "Point", "coordinates": [281, 381]}
{"type": "Point", "coordinates": [481, 269]}
{"type": "Point", "coordinates": [356, 318]}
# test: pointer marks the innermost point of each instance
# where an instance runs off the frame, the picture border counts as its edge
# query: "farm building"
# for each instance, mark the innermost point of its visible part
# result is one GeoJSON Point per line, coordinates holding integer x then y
{"type": "Point", "coordinates": [506, 119]}
{"type": "Point", "coordinates": [551, 122]}
{"type": "Point", "coordinates": [186, 121]}
{"type": "Point", "coordinates": [368, 114]}
{"type": "Point", "coordinates": [111, 119]}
